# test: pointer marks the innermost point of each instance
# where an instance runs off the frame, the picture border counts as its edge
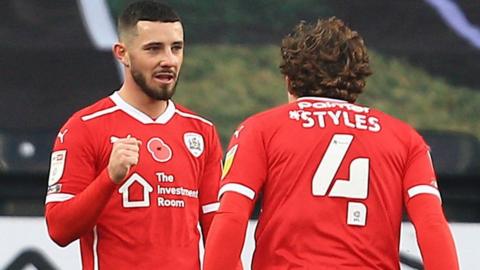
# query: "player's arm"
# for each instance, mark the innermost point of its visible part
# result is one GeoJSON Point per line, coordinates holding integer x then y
{"type": "Point", "coordinates": [433, 234]}
{"type": "Point", "coordinates": [423, 205]}
{"type": "Point", "coordinates": [227, 234]}
{"type": "Point", "coordinates": [209, 183]}
{"type": "Point", "coordinates": [69, 219]}
{"type": "Point", "coordinates": [244, 173]}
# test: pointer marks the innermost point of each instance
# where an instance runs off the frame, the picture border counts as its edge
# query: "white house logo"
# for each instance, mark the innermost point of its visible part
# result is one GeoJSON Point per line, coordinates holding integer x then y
{"type": "Point", "coordinates": [124, 190]}
{"type": "Point", "coordinates": [194, 143]}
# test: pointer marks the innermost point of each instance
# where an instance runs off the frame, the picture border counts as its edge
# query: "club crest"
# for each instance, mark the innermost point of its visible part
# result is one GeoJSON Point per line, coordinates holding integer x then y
{"type": "Point", "coordinates": [194, 143]}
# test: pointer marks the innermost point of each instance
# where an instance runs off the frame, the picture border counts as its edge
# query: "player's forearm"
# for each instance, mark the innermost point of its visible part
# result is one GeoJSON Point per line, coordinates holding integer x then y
{"type": "Point", "coordinates": [206, 222]}
{"type": "Point", "coordinates": [437, 246]}
{"type": "Point", "coordinates": [68, 220]}
{"type": "Point", "coordinates": [227, 234]}
{"type": "Point", "coordinates": [433, 234]}
{"type": "Point", "coordinates": [225, 242]}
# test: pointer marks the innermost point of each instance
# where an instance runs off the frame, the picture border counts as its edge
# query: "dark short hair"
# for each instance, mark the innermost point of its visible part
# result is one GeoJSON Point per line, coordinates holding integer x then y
{"type": "Point", "coordinates": [325, 59]}
{"type": "Point", "coordinates": [145, 11]}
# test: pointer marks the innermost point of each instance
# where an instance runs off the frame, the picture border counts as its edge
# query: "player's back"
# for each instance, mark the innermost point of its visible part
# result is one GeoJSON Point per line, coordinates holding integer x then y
{"type": "Point", "coordinates": [334, 189]}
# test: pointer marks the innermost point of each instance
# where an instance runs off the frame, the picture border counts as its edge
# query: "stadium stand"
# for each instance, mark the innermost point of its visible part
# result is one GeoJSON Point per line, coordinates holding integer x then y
{"type": "Point", "coordinates": [50, 68]}
{"type": "Point", "coordinates": [456, 157]}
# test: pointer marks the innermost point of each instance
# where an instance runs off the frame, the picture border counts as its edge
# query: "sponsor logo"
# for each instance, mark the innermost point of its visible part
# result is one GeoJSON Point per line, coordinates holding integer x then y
{"type": "Point", "coordinates": [125, 190]}
{"type": "Point", "coordinates": [61, 135]}
{"type": "Point", "coordinates": [54, 189]}
{"type": "Point", "coordinates": [229, 160]}
{"type": "Point", "coordinates": [57, 165]}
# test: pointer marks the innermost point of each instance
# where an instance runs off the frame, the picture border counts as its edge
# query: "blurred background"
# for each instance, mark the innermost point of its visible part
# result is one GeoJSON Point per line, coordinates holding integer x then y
{"type": "Point", "coordinates": [56, 58]}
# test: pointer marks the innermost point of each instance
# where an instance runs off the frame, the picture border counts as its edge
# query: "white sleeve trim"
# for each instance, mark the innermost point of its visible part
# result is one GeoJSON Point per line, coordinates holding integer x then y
{"type": "Point", "coordinates": [423, 189]}
{"type": "Point", "coordinates": [58, 197]}
{"type": "Point", "coordinates": [211, 207]}
{"type": "Point", "coordinates": [245, 191]}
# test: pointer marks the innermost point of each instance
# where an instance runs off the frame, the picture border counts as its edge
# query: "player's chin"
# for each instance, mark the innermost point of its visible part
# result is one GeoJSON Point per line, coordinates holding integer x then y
{"type": "Point", "coordinates": [166, 92]}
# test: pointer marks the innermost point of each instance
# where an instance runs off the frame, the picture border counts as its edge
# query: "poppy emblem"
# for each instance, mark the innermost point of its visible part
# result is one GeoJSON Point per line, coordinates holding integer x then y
{"type": "Point", "coordinates": [160, 151]}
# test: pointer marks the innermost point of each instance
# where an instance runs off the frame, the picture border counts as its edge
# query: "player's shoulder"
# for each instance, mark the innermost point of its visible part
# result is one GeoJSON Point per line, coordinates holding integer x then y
{"type": "Point", "coordinates": [399, 130]}
{"type": "Point", "coordinates": [270, 117]}
{"type": "Point", "coordinates": [94, 110]}
{"type": "Point", "coordinates": [97, 108]}
{"type": "Point", "coordinates": [392, 122]}
{"type": "Point", "coordinates": [191, 116]}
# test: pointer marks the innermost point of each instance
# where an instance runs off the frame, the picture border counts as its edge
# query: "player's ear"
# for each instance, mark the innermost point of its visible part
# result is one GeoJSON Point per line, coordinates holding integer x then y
{"type": "Point", "coordinates": [120, 52]}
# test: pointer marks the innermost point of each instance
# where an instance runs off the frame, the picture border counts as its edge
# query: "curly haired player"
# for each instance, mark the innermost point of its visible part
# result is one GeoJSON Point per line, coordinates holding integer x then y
{"type": "Point", "coordinates": [335, 175]}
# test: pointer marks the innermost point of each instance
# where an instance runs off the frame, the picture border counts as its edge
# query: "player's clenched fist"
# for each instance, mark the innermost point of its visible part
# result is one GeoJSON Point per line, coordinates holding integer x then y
{"type": "Point", "coordinates": [125, 153]}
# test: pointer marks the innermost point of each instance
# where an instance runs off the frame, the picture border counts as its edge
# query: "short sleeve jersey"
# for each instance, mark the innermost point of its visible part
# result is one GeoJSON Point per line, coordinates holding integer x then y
{"type": "Point", "coordinates": [151, 220]}
{"type": "Point", "coordinates": [334, 178]}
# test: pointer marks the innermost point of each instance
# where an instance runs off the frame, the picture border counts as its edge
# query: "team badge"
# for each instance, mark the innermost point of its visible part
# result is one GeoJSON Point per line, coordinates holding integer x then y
{"type": "Point", "coordinates": [57, 164]}
{"type": "Point", "coordinates": [229, 160]}
{"type": "Point", "coordinates": [194, 143]}
{"type": "Point", "coordinates": [160, 151]}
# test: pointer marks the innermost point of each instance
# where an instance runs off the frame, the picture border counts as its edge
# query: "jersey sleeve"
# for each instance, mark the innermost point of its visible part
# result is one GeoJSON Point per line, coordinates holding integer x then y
{"type": "Point", "coordinates": [245, 166]}
{"type": "Point", "coordinates": [419, 177]}
{"type": "Point", "coordinates": [210, 181]}
{"type": "Point", "coordinates": [423, 204]}
{"type": "Point", "coordinates": [76, 195]}
{"type": "Point", "coordinates": [433, 234]}
{"type": "Point", "coordinates": [230, 223]}
{"type": "Point", "coordinates": [72, 166]}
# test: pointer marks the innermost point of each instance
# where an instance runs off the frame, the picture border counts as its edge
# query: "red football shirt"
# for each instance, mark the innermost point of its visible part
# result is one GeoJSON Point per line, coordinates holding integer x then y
{"type": "Point", "coordinates": [334, 177]}
{"type": "Point", "coordinates": [151, 220]}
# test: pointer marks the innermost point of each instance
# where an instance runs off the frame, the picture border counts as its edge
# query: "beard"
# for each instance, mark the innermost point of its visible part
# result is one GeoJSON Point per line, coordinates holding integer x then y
{"type": "Point", "coordinates": [158, 93]}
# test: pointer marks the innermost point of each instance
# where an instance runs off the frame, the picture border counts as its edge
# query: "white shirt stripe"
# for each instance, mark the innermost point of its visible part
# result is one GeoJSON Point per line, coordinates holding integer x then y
{"type": "Point", "coordinates": [95, 248]}
{"type": "Point", "coordinates": [184, 114]}
{"type": "Point", "coordinates": [100, 113]}
{"type": "Point", "coordinates": [211, 207]}
{"type": "Point", "coordinates": [423, 189]}
{"type": "Point", "coordinates": [321, 99]}
{"type": "Point", "coordinates": [245, 191]}
{"type": "Point", "coordinates": [58, 197]}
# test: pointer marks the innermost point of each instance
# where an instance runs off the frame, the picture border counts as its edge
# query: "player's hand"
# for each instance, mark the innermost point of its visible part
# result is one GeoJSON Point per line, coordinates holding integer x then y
{"type": "Point", "coordinates": [125, 154]}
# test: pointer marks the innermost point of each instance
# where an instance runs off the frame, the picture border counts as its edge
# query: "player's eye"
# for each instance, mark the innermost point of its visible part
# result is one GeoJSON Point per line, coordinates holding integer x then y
{"type": "Point", "coordinates": [152, 48]}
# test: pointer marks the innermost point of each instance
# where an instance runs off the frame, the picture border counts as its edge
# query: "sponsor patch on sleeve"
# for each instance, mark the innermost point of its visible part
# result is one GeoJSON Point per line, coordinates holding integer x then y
{"type": "Point", "coordinates": [229, 160]}
{"type": "Point", "coordinates": [57, 165]}
{"type": "Point", "coordinates": [54, 189]}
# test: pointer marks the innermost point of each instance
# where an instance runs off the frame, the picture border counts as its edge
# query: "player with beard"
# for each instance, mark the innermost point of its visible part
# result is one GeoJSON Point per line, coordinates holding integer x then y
{"type": "Point", "coordinates": [134, 174]}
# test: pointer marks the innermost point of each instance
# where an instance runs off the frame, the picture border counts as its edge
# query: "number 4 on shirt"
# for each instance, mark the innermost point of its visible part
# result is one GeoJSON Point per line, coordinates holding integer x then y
{"type": "Point", "coordinates": [356, 187]}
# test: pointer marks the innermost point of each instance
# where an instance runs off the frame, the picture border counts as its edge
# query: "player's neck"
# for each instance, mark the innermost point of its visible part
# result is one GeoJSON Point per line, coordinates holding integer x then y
{"type": "Point", "coordinates": [291, 97]}
{"type": "Point", "coordinates": [135, 97]}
